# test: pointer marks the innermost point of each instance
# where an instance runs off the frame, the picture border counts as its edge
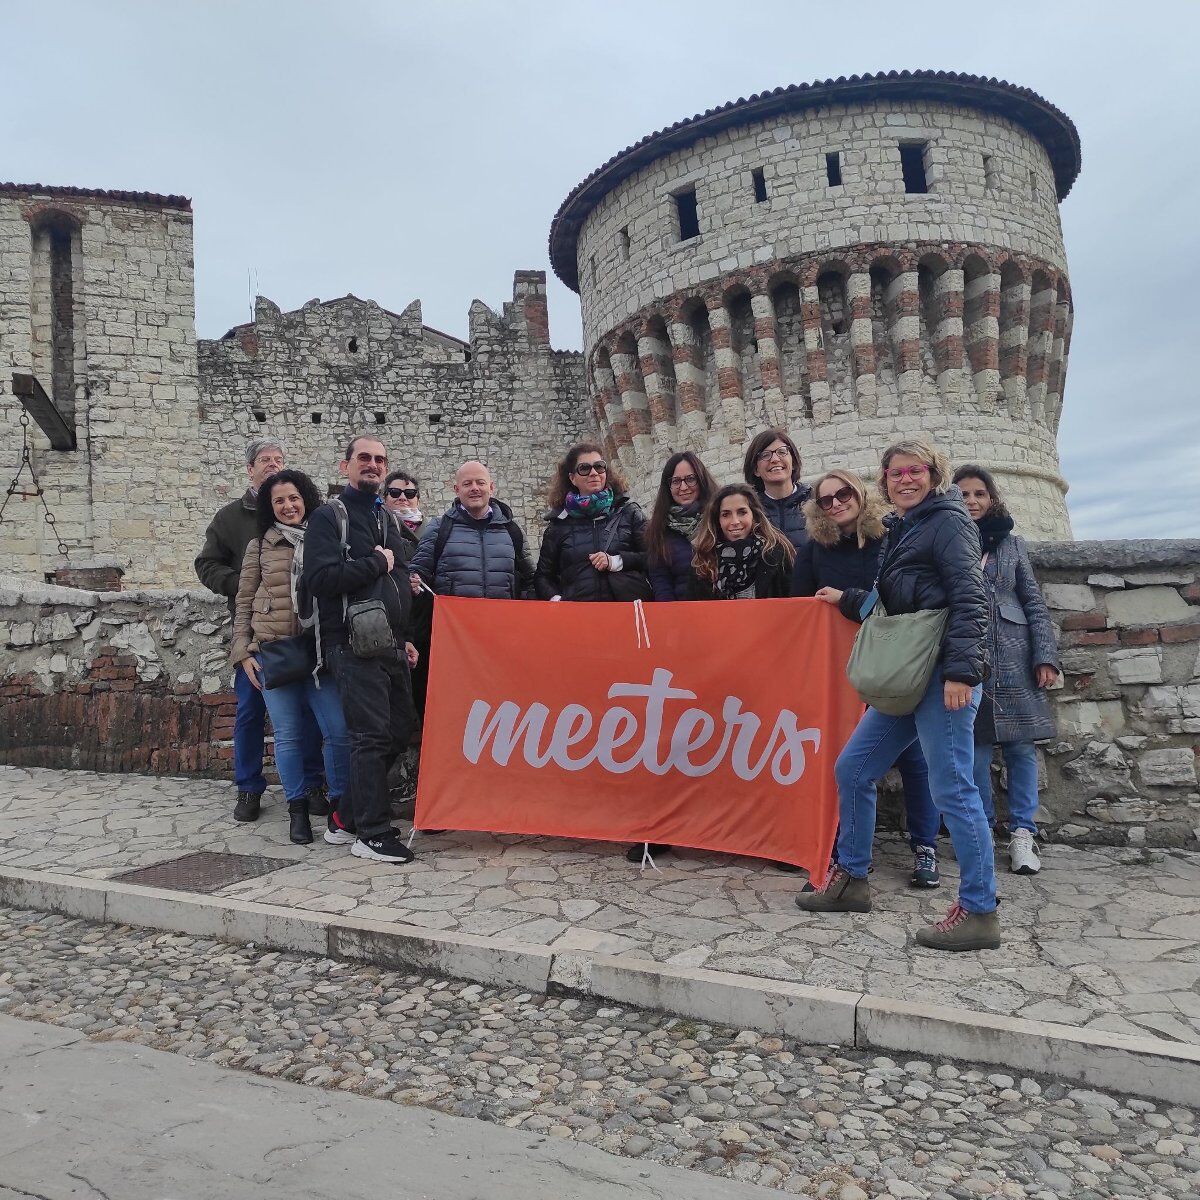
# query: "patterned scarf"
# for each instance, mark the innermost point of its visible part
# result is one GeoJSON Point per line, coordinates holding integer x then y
{"type": "Point", "coordinates": [592, 506]}
{"type": "Point", "coordinates": [737, 564]}
{"type": "Point", "coordinates": [684, 519]}
{"type": "Point", "coordinates": [295, 535]}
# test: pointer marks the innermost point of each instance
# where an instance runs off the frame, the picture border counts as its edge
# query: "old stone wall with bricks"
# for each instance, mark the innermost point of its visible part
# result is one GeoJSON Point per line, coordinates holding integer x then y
{"type": "Point", "coordinates": [138, 681]}
{"type": "Point", "coordinates": [851, 312]}
{"type": "Point", "coordinates": [96, 302]}
{"type": "Point", "coordinates": [320, 375]}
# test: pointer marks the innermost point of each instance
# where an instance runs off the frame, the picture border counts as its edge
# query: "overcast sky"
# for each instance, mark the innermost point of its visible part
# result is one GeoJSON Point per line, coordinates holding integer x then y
{"type": "Point", "coordinates": [398, 150]}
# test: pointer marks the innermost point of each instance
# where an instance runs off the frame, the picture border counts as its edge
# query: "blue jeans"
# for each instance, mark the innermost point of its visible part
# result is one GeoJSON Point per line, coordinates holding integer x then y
{"type": "Point", "coordinates": [293, 709]}
{"type": "Point", "coordinates": [249, 728]}
{"type": "Point", "coordinates": [946, 739]}
{"type": "Point", "coordinates": [1021, 760]}
{"type": "Point", "coordinates": [923, 819]}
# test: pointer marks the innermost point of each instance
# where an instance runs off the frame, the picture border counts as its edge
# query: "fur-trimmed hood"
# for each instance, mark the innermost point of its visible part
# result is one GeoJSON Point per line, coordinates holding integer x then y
{"type": "Point", "coordinates": [824, 531]}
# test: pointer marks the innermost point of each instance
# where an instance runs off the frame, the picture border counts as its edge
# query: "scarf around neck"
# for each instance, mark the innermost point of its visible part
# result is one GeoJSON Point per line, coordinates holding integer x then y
{"type": "Point", "coordinates": [737, 564]}
{"type": "Point", "coordinates": [684, 519]}
{"type": "Point", "coordinates": [294, 535]}
{"type": "Point", "coordinates": [593, 505]}
{"type": "Point", "coordinates": [993, 529]}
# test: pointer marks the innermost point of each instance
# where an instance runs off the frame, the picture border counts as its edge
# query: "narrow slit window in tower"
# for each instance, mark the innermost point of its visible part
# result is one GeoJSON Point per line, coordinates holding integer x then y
{"type": "Point", "coordinates": [625, 244]}
{"type": "Point", "coordinates": [688, 214]}
{"type": "Point", "coordinates": [760, 185]}
{"type": "Point", "coordinates": [912, 164]}
{"type": "Point", "coordinates": [833, 168]}
{"type": "Point", "coordinates": [1033, 183]}
{"type": "Point", "coordinates": [991, 174]}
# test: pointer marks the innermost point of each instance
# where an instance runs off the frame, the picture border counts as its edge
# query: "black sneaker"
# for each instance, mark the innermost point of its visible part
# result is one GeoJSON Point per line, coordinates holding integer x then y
{"type": "Point", "coordinates": [318, 802]}
{"type": "Point", "coordinates": [336, 834]}
{"type": "Point", "coordinates": [248, 806]}
{"type": "Point", "coordinates": [300, 828]}
{"type": "Point", "coordinates": [386, 847]}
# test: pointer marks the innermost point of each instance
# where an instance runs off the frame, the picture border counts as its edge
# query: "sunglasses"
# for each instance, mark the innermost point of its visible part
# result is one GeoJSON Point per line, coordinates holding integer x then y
{"type": "Point", "coordinates": [601, 468]}
{"type": "Point", "coordinates": [407, 493]}
{"type": "Point", "coordinates": [366, 459]}
{"type": "Point", "coordinates": [842, 496]}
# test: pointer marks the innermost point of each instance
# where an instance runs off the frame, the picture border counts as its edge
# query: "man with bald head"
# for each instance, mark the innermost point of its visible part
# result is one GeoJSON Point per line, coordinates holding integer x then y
{"type": "Point", "coordinates": [475, 548]}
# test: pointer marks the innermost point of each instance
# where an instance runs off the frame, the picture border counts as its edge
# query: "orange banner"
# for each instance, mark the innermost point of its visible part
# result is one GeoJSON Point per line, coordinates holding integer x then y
{"type": "Point", "coordinates": [710, 724]}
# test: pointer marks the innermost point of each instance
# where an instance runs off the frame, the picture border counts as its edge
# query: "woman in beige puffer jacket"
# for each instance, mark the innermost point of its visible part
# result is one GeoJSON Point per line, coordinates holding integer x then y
{"type": "Point", "coordinates": [265, 611]}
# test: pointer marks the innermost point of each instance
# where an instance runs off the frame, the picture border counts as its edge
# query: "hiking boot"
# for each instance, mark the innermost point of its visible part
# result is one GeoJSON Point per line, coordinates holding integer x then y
{"type": "Point", "coordinates": [318, 803]}
{"type": "Point", "coordinates": [925, 869]}
{"type": "Point", "coordinates": [962, 930]}
{"type": "Point", "coordinates": [839, 893]}
{"type": "Point", "coordinates": [635, 853]}
{"type": "Point", "coordinates": [1022, 853]}
{"type": "Point", "coordinates": [336, 834]}
{"type": "Point", "coordinates": [384, 847]}
{"type": "Point", "coordinates": [248, 806]}
{"type": "Point", "coordinates": [300, 829]}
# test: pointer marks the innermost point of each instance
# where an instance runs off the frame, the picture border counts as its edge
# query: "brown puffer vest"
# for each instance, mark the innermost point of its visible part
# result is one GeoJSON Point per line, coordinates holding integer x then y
{"type": "Point", "coordinates": [263, 607]}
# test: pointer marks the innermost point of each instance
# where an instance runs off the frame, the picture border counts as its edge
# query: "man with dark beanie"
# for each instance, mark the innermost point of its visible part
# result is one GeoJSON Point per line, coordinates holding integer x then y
{"type": "Point", "coordinates": [354, 553]}
{"type": "Point", "coordinates": [218, 567]}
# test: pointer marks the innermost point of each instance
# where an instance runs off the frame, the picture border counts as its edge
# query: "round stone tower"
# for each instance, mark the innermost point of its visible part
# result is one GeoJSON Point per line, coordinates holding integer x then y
{"type": "Point", "coordinates": [855, 260]}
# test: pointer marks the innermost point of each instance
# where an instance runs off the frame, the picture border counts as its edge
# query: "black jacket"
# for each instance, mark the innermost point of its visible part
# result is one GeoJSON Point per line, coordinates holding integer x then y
{"type": "Point", "coordinates": [787, 514]}
{"type": "Point", "coordinates": [931, 560]}
{"type": "Point", "coordinates": [330, 576]}
{"type": "Point", "coordinates": [772, 580]}
{"type": "Point", "coordinates": [219, 563]}
{"type": "Point", "coordinates": [563, 568]}
{"type": "Point", "coordinates": [845, 565]}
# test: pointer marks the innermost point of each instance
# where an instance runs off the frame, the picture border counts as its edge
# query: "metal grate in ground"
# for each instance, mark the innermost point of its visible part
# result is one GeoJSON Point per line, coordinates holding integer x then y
{"type": "Point", "coordinates": [206, 871]}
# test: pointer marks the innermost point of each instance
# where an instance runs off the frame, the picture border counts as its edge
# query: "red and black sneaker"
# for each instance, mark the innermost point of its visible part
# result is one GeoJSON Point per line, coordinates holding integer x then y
{"type": "Point", "coordinates": [336, 834]}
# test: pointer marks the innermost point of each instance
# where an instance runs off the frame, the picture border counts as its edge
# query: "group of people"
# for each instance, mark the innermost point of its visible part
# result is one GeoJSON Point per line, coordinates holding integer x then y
{"type": "Point", "coordinates": [361, 571]}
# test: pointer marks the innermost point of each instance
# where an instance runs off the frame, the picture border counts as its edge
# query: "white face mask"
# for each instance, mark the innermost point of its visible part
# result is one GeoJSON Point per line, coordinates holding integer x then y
{"type": "Point", "coordinates": [413, 516]}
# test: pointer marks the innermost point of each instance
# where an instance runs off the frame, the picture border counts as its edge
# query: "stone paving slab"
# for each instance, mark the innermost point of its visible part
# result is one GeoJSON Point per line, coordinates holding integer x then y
{"type": "Point", "coordinates": [1103, 940]}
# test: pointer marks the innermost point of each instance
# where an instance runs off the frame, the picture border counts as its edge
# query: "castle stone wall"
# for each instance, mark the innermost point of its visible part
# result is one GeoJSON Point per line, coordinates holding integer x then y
{"type": "Point", "coordinates": [129, 335]}
{"type": "Point", "coordinates": [851, 314]}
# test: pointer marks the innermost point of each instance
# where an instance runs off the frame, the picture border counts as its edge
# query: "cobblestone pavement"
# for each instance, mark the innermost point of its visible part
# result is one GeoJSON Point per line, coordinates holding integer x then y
{"type": "Point", "coordinates": [1105, 939]}
{"type": "Point", "coordinates": [733, 1103]}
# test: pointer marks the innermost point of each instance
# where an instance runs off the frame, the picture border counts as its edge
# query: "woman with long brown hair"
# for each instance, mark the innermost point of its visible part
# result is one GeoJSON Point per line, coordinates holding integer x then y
{"type": "Point", "coordinates": [593, 548]}
{"type": "Point", "coordinates": [739, 554]}
{"type": "Point", "coordinates": [684, 488]}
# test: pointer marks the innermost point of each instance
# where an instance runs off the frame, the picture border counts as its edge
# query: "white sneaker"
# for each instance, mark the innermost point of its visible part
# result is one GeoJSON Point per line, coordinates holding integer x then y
{"type": "Point", "coordinates": [1022, 853]}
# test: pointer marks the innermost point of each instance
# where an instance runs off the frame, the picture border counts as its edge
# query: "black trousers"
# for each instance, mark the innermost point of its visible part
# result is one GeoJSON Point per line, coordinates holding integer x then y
{"type": "Point", "coordinates": [377, 701]}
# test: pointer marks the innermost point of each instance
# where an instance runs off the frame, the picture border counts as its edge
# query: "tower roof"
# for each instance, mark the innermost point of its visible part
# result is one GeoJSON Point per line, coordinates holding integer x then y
{"type": "Point", "coordinates": [1052, 127]}
{"type": "Point", "coordinates": [143, 199]}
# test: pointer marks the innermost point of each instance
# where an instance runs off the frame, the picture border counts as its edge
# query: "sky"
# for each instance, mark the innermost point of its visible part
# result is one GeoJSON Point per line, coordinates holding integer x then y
{"type": "Point", "coordinates": [402, 151]}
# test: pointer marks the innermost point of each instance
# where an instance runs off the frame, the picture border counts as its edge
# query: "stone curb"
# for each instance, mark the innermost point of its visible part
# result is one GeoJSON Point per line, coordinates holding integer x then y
{"type": "Point", "coordinates": [1151, 1067]}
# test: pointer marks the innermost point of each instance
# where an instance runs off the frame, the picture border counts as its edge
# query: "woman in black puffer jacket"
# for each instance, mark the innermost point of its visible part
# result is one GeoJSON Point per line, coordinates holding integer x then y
{"type": "Point", "coordinates": [593, 548]}
{"type": "Point", "coordinates": [838, 561]}
{"type": "Point", "coordinates": [929, 560]}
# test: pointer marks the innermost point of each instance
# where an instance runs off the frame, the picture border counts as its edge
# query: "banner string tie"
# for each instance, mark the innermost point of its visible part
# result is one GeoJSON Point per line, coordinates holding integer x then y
{"type": "Point", "coordinates": [639, 625]}
{"type": "Point", "coordinates": [647, 857]}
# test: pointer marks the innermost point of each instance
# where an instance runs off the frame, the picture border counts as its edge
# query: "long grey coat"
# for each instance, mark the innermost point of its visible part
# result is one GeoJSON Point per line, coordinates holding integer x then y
{"type": "Point", "coordinates": [1021, 637]}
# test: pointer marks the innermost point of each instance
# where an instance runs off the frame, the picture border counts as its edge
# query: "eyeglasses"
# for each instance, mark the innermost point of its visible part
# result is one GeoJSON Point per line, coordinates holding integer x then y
{"type": "Point", "coordinates": [366, 459]}
{"type": "Point", "coordinates": [407, 493]}
{"type": "Point", "coordinates": [684, 481]}
{"type": "Point", "coordinates": [601, 468]}
{"type": "Point", "coordinates": [842, 496]}
{"type": "Point", "coordinates": [895, 474]}
{"type": "Point", "coordinates": [780, 452]}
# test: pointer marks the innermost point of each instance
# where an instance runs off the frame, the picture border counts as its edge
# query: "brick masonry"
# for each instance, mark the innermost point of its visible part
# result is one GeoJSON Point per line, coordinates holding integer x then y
{"type": "Point", "coordinates": [138, 682]}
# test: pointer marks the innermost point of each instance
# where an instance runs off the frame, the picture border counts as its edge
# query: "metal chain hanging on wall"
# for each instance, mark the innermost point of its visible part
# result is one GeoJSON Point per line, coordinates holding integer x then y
{"type": "Point", "coordinates": [15, 488]}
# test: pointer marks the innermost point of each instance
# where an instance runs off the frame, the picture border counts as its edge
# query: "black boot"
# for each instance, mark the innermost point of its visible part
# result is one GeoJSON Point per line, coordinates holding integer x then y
{"type": "Point", "coordinates": [301, 829]}
{"type": "Point", "coordinates": [247, 807]}
{"type": "Point", "coordinates": [318, 803]}
{"type": "Point", "coordinates": [636, 853]}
